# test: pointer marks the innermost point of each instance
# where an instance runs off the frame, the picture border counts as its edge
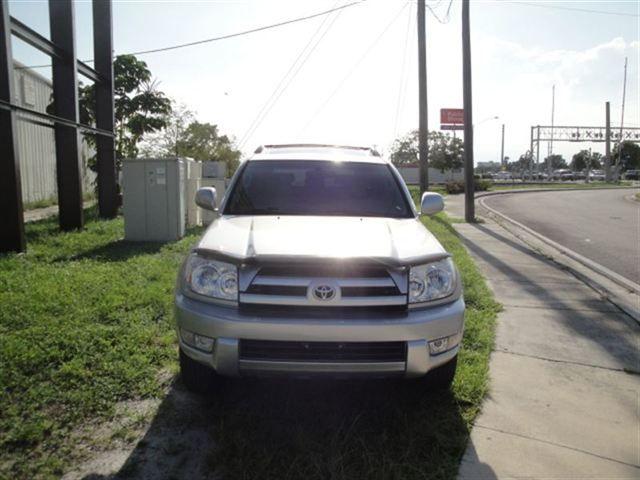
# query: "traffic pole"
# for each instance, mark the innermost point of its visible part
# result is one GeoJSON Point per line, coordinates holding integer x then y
{"type": "Point", "coordinates": [502, 148]}
{"type": "Point", "coordinates": [607, 143]}
{"type": "Point", "coordinates": [469, 205]}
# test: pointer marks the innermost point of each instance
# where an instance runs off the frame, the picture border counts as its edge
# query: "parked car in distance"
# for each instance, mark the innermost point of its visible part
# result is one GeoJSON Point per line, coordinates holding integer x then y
{"type": "Point", "coordinates": [597, 175]}
{"type": "Point", "coordinates": [579, 175]}
{"type": "Point", "coordinates": [503, 176]}
{"type": "Point", "coordinates": [632, 175]}
{"type": "Point", "coordinates": [318, 264]}
{"type": "Point", "coordinates": [562, 174]}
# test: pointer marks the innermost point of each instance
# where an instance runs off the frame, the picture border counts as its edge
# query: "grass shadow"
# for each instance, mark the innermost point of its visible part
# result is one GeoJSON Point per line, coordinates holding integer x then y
{"type": "Point", "coordinates": [118, 251]}
{"type": "Point", "coordinates": [609, 333]}
{"type": "Point", "coordinates": [39, 229]}
{"type": "Point", "coordinates": [312, 429]}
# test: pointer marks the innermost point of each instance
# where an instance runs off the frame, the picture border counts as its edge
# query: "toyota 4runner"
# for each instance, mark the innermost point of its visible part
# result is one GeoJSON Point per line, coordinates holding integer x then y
{"type": "Point", "coordinates": [318, 263]}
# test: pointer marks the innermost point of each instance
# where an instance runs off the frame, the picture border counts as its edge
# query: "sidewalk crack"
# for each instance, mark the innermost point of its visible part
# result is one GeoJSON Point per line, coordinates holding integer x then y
{"type": "Point", "coordinates": [569, 362]}
{"type": "Point", "coordinates": [555, 444]}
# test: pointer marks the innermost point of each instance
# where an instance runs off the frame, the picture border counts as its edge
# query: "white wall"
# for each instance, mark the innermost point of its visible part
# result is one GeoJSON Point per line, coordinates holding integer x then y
{"type": "Point", "coordinates": [411, 175]}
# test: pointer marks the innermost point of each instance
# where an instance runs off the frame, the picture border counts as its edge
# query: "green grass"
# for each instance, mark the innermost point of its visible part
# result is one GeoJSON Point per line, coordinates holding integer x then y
{"type": "Point", "coordinates": [559, 186]}
{"type": "Point", "coordinates": [86, 322]}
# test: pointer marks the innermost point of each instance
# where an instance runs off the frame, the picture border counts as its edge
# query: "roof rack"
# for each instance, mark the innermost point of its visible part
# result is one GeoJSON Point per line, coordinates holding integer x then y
{"type": "Point", "coordinates": [371, 150]}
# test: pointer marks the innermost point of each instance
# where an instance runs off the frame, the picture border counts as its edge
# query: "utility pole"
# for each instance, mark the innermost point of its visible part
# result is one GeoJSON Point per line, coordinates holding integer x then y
{"type": "Point", "coordinates": [553, 111]}
{"type": "Point", "coordinates": [607, 143]}
{"type": "Point", "coordinates": [423, 127]}
{"type": "Point", "coordinates": [620, 147]}
{"type": "Point", "coordinates": [502, 148]}
{"type": "Point", "coordinates": [531, 152]}
{"type": "Point", "coordinates": [469, 205]}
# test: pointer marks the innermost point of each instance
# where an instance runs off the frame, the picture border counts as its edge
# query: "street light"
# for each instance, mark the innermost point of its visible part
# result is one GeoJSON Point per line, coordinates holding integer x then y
{"type": "Point", "coordinates": [493, 117]}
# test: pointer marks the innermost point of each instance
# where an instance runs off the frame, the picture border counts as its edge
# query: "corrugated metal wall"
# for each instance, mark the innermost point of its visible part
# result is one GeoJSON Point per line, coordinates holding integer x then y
{"type": "Point", "coordinates": [36, 143]}
{"type": "Point", "coordinates": [411, 175]}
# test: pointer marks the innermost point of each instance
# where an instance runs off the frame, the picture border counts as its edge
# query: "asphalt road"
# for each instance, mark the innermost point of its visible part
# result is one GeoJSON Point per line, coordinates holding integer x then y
{"type": "Point", "coordinates": [599, 224]}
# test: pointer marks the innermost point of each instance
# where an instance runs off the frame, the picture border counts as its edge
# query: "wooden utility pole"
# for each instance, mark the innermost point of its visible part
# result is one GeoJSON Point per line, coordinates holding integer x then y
{"type": "Point", "coordinates": [423, 127]}
{"type": "Point", "coordinates": [469, 205]}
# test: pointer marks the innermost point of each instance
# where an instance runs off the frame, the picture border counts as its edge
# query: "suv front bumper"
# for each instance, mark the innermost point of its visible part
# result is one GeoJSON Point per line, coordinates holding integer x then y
{"type": "Point", "coordinates": [227, 326]}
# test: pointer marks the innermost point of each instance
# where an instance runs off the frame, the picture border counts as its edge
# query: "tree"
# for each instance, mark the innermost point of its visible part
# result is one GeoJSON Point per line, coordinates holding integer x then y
{"type": "Point", "coordinates": [139, 107]}
{"type": "Point", "coordinates": [404, 150]}
{"type": "Point", "coordinates": [164, 143]}
{"type": "Point", "coordinates": [201, 141]}
{"type": "Point", "coordinates": [524, 163]}
{"type": "Point", "coordinates": [445, 152]}
{"type": "Point", "coordinates": [557, 161]}
{"type": "Point", "coordinates": [584, 160]}
{"type": "Point", "coordinates": [630, 156]}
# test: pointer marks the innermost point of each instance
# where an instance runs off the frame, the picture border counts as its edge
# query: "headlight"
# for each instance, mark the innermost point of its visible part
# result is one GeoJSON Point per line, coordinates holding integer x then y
{"type": "Point", "coordinates": [432, 281]}
{"type": "Point", "coordinates": [212, 278]}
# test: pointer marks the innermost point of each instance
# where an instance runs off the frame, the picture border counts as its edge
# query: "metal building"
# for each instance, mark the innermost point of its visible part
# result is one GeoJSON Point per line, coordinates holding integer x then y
{"type": "Point", "coordinates": [36, 143]}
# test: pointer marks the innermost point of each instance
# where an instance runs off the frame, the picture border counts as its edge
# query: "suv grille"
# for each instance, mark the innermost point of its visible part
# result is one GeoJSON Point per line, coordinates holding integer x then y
{"type": "Point", "coordinates": [324, 286]}
{"type": "Point", "coordinates": [323, 351]}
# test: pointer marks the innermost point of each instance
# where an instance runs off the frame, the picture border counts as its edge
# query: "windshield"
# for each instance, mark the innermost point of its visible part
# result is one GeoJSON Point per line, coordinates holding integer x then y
{"type": "Point", "coordinates": [295, 187]}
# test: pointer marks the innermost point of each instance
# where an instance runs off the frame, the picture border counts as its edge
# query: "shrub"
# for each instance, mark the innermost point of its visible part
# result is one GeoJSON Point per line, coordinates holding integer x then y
{"type": "Point", "coordinates": [457, 186]}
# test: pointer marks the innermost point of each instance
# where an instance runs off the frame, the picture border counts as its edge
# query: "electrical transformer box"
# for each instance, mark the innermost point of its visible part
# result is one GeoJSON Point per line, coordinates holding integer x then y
{"type": "Point", "coordinates": [153, 199]}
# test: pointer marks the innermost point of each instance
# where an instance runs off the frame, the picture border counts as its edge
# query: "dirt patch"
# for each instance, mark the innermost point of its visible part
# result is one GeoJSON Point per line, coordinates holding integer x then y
{"type": "Point", "coordinates": [146, 439]}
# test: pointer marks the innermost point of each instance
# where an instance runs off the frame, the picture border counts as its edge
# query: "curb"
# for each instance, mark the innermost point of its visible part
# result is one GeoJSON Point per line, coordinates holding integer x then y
{"type": "Point", "coordinates": [535, 190]}
{"type": "Point", "coordinates": [594, 267]}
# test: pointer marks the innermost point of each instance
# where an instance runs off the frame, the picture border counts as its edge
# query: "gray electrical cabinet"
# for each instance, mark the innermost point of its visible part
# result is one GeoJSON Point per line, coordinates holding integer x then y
{"type": "Point", "coordinates": [153, 199]}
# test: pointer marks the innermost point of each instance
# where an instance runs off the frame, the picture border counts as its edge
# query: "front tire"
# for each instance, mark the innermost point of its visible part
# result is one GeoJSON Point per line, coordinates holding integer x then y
{"type": "Point", "coordinates": [441, 378]}
{"type": "Point", "coordinates": [198, 378]}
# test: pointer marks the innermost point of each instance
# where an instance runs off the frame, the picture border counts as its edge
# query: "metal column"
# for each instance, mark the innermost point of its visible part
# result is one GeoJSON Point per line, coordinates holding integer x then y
{"type": "Point", "coordinates": [105, 148]}
{"type": "Point", "coordinates": [11, 210]}
{"type": "Point", "coordinates": [607, 134]}
{"type": "Point", "coordinates": [531, 152]}
{"type": "Point", "coordinates": [65, 97]}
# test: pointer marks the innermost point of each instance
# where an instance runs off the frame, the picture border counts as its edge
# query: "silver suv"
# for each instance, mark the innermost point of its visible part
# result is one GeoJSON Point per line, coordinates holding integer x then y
{"type": "Point", "coordinates": [318, 264]}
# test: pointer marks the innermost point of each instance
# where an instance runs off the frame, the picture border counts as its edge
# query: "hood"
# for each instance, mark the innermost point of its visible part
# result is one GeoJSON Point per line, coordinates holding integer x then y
{"type": "Point", "coordinates": [397, 241]}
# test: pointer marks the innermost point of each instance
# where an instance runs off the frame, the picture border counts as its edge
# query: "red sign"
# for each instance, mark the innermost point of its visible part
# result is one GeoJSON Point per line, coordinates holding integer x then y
{"type": "Point", "coordinates": [452, 116]}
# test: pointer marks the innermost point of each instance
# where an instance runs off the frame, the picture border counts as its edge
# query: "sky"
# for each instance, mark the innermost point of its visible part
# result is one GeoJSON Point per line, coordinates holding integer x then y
{"type": "Point", "coordinates": [350, 77]}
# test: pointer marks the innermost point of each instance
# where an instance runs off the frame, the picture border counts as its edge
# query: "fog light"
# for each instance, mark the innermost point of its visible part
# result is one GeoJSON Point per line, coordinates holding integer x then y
{"type": "Point", "coordinates": [197, 341]}
{"type": "Point", "coordinates": [444, 344]}
{"type": "Point", "coordinates": [204, 343]}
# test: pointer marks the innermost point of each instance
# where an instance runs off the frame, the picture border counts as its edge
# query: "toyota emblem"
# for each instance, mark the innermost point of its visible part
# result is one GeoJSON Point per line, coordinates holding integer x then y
{"type": "Point", "coordinates": [324, 292]}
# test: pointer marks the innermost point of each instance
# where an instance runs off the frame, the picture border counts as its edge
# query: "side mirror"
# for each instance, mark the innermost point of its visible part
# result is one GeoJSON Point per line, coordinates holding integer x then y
{"type": "Point", "coordinates": [206, 198]}
{"type": "Point", "coordinates": [431, 203]}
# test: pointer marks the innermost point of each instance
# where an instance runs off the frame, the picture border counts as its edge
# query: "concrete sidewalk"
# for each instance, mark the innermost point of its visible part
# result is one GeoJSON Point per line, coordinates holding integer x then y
{"type": "Point", "coordinates": [562, 401]}
{"type": "Point", "coordinates": [41, 213]}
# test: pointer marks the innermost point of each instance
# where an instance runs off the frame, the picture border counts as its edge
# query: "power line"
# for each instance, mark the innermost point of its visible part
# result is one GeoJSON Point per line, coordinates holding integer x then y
{"type": "Point", "coordinates": [446, 18]}
{"type": "Point", "coordinates": [232, 35]}
{"type": "Point", "coordinates": [574, 9]}
{"type": "Point", "coordinates": [403, 78]}
{"type": "Point", "coordinates": [353, 68]}
{"type": "Point", "coordinates": [288, 77]}
{"type": "Point", "coordinates": [253, 30]}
